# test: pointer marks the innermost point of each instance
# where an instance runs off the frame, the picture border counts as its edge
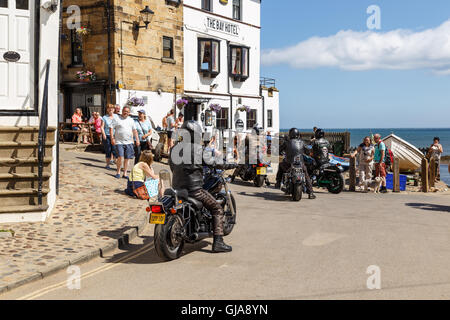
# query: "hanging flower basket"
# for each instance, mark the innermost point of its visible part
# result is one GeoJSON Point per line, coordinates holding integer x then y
{"type": "Point", "coordinates": [86, 76]}
{"type": "Point", "coordinates": [215, 107]}
{"type": "Point", "coordinates": [244, 109]}
{"type": "Point", "coordinates": [135, 102]}
{"type": "Point", "coordinates": [181, 103]}
{"type": "Point", "coordinates": [82, 31]}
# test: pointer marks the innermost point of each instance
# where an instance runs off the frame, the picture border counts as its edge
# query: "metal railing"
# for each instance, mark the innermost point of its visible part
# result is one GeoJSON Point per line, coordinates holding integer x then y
{"type": "Point", "coordinates": [42, 137]}
{"type": "Point", "coordinates": [267, 82]}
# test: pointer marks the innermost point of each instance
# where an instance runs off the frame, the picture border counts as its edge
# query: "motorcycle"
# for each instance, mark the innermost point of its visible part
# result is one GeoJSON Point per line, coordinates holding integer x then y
{"type": "Point", "coordinates": [294, 181]}
{"type": "Point", "coordinates": [180, 219]}
{"type": "Point", "coordinates": [255, 172]}
{"type": "Point", "coordinates": [328, 176]}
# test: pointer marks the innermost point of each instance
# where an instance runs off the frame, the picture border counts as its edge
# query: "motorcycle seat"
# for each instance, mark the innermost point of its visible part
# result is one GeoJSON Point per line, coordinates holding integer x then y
{"type": "Point", "coordinates": [197, 204]}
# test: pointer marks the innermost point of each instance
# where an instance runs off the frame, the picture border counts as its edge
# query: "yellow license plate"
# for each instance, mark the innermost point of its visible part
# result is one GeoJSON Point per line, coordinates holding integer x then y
{"type": "Point", "coordinates": [157, 218]}
{"type": "Point", "coordinates": [261, 171]}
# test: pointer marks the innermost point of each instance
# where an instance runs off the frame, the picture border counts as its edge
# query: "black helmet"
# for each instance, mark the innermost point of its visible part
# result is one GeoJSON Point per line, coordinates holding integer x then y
{"type": "Point", "coordinates": [257, 129]}
{"type": "Point", "coordinates": [319, 134]}
{"type": "Point", "coordinates": [194, 129]}
{"type": "Point", "coordinates": [294, 133]}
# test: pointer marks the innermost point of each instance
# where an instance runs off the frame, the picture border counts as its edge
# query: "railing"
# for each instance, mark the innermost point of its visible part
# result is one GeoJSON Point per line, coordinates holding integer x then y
{"type": "Point", "coordinates": [43, 123]}
{"type": "Point", "coordinates": [267, 82]}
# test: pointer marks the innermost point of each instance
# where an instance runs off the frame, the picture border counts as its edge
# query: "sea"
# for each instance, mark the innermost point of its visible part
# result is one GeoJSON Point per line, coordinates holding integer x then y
{"type": "Point", "coordinates": [419, 137]}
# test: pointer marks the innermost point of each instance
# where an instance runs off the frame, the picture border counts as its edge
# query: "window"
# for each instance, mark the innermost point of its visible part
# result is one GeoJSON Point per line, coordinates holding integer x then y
{"type": "Point", "coordinates": [239, 62]}
{"type": "Point", "coordinates": [269, 118]}
{"type": "Point", "coordinates": [168, 47]}
{"type": "Point", "coordinates": [206, 5]}
{"type": "Point", "coordinates": [77, 48]}
{"type": "Point", "coordinates": [237, 9]}
{"type": "Point", "coordinates": [22, 4]}
{"type": "Point", "coordinates": [3, 3]}
{"type": "Point", "coordinates": [209, 57]}
{"type": "Point", "coordinates": [251, 119]}
{"type": "Point", "coordinates": [222, 119]}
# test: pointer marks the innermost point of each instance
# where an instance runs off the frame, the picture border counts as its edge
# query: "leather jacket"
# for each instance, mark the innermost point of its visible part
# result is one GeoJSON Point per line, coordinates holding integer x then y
{"type": "Point", "coordinates": [293, 148]}
{"type": "Point", "coordinates": [321, 149]}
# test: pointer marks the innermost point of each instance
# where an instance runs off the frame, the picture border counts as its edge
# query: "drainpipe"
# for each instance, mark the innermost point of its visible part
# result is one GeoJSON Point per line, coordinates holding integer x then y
{"type": "Point", "coordinates": [110, 72]}
{"type": "Point", "coordinates": [228, 86]}
{"type": "Point", "coordinates": [59, 89]}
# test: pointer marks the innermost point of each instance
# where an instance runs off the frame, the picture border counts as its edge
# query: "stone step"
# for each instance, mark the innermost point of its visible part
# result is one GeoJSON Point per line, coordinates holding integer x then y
{"type": "Point", "coordinates": [21, 197]}
{"type": "Point", "coordinates": [21, 134]}
{"type": "Point", "coordinates": [23, 165]}
{"type": "Point", "coordinates": [20, 181]}
{"type": "Point", "coordinates": [23, 209]}
{"type": "Point", "coordinates": [23, 152]}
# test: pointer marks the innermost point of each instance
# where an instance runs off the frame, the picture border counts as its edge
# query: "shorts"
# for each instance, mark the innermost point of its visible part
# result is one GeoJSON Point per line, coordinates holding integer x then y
{"type": "Point", "coordinates": [125, 151]}
{"type": "Point", "coordinates": [380, 170]}
{"type": "Point", "coordinates": [169, 134]}
{"type": "Point", "coordinates": [109, 148]}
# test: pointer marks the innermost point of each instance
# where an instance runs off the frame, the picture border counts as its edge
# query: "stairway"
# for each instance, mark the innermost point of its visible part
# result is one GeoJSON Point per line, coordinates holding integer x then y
{"type": "Point", "coordinates": [19, 169]}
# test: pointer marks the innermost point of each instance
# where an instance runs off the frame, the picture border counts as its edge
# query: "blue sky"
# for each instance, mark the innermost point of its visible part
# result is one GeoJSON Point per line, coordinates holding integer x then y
{"type": "Point", "coordinates": [333, 94]}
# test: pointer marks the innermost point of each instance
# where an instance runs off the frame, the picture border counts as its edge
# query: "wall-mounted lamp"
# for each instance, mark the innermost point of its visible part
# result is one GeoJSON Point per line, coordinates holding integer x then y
{"type": "Point", "coordinates": [213, 86]}
{"type": "Point", "coordinates": [147, 16]}
{"type": "Point", "coordinates": [51, 6]}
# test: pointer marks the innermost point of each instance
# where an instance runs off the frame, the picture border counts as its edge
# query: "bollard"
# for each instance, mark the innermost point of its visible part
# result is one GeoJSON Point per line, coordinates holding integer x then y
{"type": "Point", "coordinates": [396, 173]}
{"type": "Point", "coordinates": [352, 174]}
{"type": "Point", "coordinates": [424, 175]}
{"type": "Point", "coordinates": [432, 177]}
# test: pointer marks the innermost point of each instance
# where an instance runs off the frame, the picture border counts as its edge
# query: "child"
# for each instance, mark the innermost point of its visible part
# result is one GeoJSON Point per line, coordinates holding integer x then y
{"type": "Point", "coordinates": [141, 172]}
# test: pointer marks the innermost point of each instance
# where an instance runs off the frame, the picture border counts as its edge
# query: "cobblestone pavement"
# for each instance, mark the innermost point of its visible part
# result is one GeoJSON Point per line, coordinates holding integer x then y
{"type": "Point", "coordinates": [91, 212]}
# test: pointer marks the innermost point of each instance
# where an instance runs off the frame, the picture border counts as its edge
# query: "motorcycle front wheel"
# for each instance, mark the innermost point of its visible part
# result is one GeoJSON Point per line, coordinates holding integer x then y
{"type": "Point", "coordinates": [229, 219]}
{"type": "Point", "coordinates": [297, 192]}
{"type": "Point", "coordinates": [168, 242]}
{"type": "Point", "coordinates": [337, 183]}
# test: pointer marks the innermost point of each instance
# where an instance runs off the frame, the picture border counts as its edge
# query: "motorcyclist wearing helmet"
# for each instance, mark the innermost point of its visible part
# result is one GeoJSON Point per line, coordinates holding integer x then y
{"type": "Point", "coordinates": [188, 174]}
{"type": "Point", "coordinates": [321, 148]}
{"type": "Point", "coordinates": [293, 147]}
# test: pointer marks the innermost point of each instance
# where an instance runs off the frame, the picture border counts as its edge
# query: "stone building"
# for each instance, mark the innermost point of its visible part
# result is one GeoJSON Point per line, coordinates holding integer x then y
{"type": "Point", "coordinates": [134, 48]}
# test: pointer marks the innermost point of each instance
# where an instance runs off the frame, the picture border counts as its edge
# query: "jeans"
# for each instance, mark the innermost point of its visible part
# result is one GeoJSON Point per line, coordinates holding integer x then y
{"type": "Point", "coordinates": [109, 148]}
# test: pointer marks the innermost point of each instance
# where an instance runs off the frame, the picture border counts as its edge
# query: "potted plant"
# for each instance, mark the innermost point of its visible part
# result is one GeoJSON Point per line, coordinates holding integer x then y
{"type": "Point", "coordinates": [82, 31]}
{"type": "Point", "coordinates": [181, 103]}
{"type": "Point", "coordinates": [215, 107]}
{"type": "Point", "coordinates": [243, 108]}
{"type": "Point", "coordinates": [135, 102]}
{"type": "Point", "coordinates": [86, 76]}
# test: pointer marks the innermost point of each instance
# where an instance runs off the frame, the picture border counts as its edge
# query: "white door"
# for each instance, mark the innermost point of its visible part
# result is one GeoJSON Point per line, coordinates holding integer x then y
{"type": "Point", "coordinates": [15, 76]}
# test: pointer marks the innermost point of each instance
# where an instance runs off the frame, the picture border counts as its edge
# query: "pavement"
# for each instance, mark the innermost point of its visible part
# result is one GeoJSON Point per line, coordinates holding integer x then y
{"type": "Point", "coordinates": [92, 216]}
{"type": "Point", "coordinates": [312, 249]}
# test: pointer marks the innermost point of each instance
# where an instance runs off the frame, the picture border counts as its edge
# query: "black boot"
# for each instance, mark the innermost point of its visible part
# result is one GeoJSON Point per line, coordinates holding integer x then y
{"type": "Point", "coordinates": [219, 245]}
{"type": "Point", "coordinates": [277, 185]}
{"type": "Point", "coordinates": [311, 196]}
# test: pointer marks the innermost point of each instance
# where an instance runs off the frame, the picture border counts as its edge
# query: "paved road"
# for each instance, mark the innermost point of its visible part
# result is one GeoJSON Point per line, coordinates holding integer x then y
{"type": "Point", "coordinates": [315, 249]}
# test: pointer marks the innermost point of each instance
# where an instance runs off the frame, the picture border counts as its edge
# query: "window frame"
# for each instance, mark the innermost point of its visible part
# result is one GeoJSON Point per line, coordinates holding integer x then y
{"type": "Point", "coordinates": [75, 39]}
{"type": "Point", "coordinates": [255, 111]}
{"type": "Point", "coordinates": [239, 77]}
{"type": "Point", "coordinates": [171, 47]}
{"type": "Point", "coordinates": [209, 9]}
{"type": "Point", "coordinates": [223, 111]}
{"type": "Point", "coordinates": [240, 10]}
{"type": "Point", "coordinates": [208, 72]}
{"type": "Point", "coordinates": [270, 118]}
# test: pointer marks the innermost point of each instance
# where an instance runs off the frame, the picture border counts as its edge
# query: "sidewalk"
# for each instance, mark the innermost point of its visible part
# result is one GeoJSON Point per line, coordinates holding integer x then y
{"type": "Point", "coordinates": [92, 215]}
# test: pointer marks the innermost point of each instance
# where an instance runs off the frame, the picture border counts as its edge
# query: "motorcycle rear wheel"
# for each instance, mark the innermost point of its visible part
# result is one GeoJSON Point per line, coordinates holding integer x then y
{"type": "Point", "coordinates": [259, 181]}
{"type": "Point", "coordinates": [297, 192]}
{"type": "Point", "coordinates": [168, 244]}
{"type": "Point", "coordinates": [338, 183]}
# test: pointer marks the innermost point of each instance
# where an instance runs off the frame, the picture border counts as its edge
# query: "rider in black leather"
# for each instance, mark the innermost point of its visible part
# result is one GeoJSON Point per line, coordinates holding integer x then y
{"type": "Point", "coordinates": [189, 176]}
{"type": "Point", "coordinates": [293, 147]}
{"type": "Point", "coordinates": [321, 148]}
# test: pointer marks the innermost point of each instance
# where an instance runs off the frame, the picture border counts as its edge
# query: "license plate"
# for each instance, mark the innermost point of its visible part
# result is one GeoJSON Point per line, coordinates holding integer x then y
{"type": "Point", "coordinates": [261, 171]}
{"type": "Point", "coordinates": [157, 218]}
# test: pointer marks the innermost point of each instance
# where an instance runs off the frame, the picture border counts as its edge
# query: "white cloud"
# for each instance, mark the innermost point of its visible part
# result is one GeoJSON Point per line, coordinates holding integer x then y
{"type": "Point", "coordinates": [359, 51]}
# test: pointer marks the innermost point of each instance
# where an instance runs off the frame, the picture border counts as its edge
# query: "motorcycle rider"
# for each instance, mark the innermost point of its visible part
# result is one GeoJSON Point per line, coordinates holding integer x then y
{"type": "Point", "coordinates": [321, 148]}
{"type": "Point", "coordinates": [293, 146]}
{"type": "Point", "coordinates": [189, 176]}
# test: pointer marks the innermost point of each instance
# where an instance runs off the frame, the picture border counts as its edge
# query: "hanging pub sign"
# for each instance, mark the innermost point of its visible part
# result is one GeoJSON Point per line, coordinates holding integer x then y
{"type": "Point", "coordinates": [239, 125]}
{"type": "Point", "coordinates": [222, 26]}
{"type": "Point", "coordinates": [11, 56]}
{"type": "Point", "coordinates": [224, 1]}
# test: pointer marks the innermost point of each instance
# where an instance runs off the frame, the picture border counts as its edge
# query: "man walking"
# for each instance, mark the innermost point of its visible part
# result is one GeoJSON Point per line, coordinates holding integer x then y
{"type": "Point", "coordinates": [380, 165]}
{"type": "Point", "coordinates": [171, 126]}
{"type": "Point", "coordinates": [121, 131]}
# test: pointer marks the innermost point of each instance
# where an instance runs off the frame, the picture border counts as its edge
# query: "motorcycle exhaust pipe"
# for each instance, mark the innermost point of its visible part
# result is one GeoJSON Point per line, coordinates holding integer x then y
{"type": "Point", "coordinates": [201, 235]}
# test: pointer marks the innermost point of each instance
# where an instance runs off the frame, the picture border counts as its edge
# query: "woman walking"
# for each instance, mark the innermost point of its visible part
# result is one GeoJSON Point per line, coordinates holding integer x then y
{"type": "Point", "coordinates": [110, 150]}
{"type": "Point", "coordinates": [144, 129]}
{"type": "Point", "coordinates": [366, 154]}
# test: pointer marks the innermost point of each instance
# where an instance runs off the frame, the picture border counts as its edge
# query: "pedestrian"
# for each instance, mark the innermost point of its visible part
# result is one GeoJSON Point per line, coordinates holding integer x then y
{"type": "Point", "coordinates": [434, 152]}
{"type": "Point", "coordinates": [380, 165]}
{"type": "Point", "coordinates": [97, 123]}
{"type": "Point", "coordinates": [144, 129]}
{"type": "Point", "coordinates": [164, 121]}
{"type": "Point", "coordinates": [122, 130]}
{"type": "Point", "coordinates": [117, 109]}
{"type": "Point", "coordinates": [143, 174]}
{"type": "Point", "coordinates": [77, 124]}
{"type": "Point", "coordinates": [365, 167]}
{"type": "Point", "coordinates": [170, 128]}
{"type": "Point", "coordinates": [110, 150]}
{"type": "Point", "coordinates": [179, 121]}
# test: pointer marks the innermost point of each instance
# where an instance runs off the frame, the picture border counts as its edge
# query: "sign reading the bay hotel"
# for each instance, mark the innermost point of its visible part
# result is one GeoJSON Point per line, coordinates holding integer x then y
{"type": "Point", "coordinates": [222, 26]}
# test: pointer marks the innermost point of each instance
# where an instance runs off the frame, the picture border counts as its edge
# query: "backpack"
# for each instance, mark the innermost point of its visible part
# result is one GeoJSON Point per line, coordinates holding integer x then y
{"type": "Point", "coordinates": [388, 157]}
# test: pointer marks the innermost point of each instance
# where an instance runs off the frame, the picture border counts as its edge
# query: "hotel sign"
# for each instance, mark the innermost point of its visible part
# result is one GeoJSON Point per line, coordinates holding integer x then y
{"type": "Point", "coordinates": [222, 26]}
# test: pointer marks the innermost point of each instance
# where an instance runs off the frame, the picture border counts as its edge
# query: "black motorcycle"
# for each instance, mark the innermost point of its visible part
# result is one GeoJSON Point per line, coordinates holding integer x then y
{"type": "Point", "coordinates": [294, 181]}
{"type": "Point", "coordinates": [327, 176]}
{"type": "Point", "coordinates": [255, 172]}
{"type": "Point", "coordinates": [179, 218]}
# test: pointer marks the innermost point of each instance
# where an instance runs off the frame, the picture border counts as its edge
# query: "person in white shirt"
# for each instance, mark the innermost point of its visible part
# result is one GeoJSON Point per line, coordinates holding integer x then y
{"type": "Point", "coordinates": [122, 130]}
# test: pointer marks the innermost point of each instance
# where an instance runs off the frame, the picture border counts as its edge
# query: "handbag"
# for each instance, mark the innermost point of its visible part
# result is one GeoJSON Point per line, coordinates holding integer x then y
{"type": "Point", "coordinates": [141, 192]}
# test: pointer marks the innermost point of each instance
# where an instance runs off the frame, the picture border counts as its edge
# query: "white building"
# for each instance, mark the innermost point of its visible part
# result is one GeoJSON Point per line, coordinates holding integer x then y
{"type": "Point", "coordinates": [222, 66]}
{"type": "Point", "coordinates": [28, 38]}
